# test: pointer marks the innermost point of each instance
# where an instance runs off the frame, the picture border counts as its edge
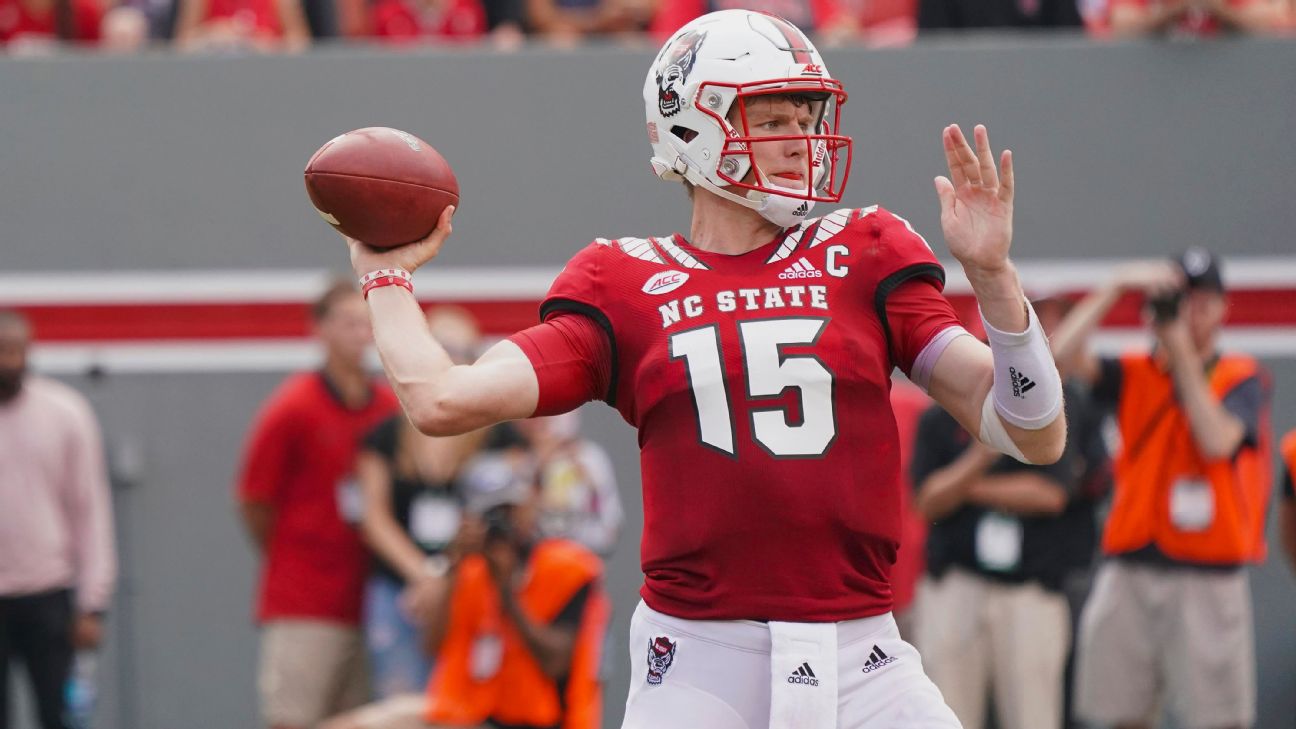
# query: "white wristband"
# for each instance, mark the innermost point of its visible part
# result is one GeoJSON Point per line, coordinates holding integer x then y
{"type": "Point", "coordinates": [1027, 388]}
{"type": "Point", "coordinates": [383, 272]}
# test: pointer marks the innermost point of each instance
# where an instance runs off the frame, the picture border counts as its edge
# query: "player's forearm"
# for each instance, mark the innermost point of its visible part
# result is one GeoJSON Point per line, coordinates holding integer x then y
{"type": "Point", "coordinates": [1023, 493]}
{"type": "Point", "coordinates": [415, 363]}
{"type": "Point", "coordinates": [1217, 433]}
{"type": "Point", "coordinates": [999, 294]}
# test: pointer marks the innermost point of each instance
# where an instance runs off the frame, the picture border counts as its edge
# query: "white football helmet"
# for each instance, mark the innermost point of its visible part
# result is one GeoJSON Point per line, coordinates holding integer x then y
{"type": "Point", "coordinates": [727, 57]}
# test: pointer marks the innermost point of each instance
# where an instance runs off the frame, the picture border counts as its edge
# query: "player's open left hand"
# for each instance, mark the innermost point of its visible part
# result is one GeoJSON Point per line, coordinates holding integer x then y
{"type": "Point", "coordinates": [410, 256]}
{"type": "Point", "coordinates": [976, 200]}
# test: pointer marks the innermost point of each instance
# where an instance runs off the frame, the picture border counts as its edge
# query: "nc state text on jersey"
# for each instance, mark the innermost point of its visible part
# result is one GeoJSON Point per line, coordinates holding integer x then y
{"type": "Point", "coordinates": [772, 297]}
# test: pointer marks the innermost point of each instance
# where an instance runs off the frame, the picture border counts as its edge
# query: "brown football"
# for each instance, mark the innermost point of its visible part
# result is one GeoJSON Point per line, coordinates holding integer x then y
{"type": "Point", "coordinates": [381, 186]}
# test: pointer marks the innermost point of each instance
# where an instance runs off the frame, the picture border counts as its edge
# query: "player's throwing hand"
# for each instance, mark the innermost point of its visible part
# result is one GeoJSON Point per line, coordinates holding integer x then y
{"type": "Point", "coordinates": [365, 259]}
{"type": "Point", "coordinates": [976, 200]}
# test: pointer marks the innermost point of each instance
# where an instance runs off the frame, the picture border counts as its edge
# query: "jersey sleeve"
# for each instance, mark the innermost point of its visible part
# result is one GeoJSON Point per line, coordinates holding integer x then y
{"type": "Point", "coordinates": [900, 258]}
{"type": "Point", "coordinates": [916, 312]}
{"type": "Point", "coordinates": [572, 358]}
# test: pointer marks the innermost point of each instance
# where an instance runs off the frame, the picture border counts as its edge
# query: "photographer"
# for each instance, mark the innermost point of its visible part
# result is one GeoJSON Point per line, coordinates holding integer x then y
{"type": "Point", "coordinates": [1170, 611]}
{"type": "Point", "coordinates": [518, 630]}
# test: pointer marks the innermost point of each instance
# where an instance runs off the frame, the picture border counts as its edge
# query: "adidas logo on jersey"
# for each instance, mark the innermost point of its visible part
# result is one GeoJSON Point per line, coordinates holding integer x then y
{"type": "Point", "coordinates": [1021, 384]}
{"type": "Point", "coordinates": [803, 675]}
{"type": "Point", "coordinates": [801, 269]}
{"type": "Point", "coordinates": [877, 659]}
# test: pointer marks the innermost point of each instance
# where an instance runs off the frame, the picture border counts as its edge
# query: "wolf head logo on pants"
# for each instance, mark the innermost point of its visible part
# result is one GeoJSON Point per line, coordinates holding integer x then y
{"type": "Point", "coordinates": [661, 654]}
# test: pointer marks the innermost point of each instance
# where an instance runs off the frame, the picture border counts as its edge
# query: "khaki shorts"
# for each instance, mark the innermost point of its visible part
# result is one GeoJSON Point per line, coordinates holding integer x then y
{"type": "Point", "coordinates": [1184, 637]}
{"type": "Point", "coordinates": [981, 638]}
{"type": "Point", "coordinates": [310, 670]}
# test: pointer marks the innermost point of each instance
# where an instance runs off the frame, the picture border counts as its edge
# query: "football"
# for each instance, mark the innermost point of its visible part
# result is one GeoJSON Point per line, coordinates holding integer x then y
{"type": "Point", "coordinates": [381, 186]}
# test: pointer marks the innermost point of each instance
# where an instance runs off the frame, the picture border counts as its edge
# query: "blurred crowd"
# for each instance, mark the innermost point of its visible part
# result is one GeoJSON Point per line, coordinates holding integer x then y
{"type": "Point", "coordinates": [224, 26]}
{"type": "Point", "coordinates": [409, 581]}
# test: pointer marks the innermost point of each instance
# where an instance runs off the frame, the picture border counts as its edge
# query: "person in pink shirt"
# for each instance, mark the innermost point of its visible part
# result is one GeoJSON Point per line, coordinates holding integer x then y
{"type": "Point", "coordinates": [57, 558]}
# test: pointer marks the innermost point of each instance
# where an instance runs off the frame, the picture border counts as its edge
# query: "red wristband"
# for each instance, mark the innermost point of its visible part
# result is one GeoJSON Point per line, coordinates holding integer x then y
{"type": "Point", "coordinates": [386, 277]}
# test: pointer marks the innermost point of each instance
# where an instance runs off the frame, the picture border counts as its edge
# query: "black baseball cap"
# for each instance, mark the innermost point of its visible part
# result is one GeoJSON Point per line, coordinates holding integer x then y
{"type": "Point", "coordinates": [1201, 269]}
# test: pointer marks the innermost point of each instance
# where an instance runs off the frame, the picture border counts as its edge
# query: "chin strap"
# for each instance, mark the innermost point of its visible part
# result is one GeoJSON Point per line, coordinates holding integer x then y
{"type": "Point", "coordinates": [781, 210]}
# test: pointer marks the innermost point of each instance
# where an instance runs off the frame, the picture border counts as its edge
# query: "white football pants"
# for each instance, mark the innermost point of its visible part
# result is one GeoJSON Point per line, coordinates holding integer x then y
{"type": "Point", "coordinates": [701, 674]}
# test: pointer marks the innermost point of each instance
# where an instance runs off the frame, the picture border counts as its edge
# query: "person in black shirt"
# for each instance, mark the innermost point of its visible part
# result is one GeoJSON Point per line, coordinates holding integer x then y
{"type": "Point", "coordinates": [991, 613]}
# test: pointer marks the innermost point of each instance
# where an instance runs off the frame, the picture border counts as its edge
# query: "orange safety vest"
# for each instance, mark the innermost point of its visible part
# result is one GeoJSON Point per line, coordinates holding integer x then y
{"type": "Point", "coordinates": [484, 670]}
{"type": "Point", "coordinates": [1158, 454]}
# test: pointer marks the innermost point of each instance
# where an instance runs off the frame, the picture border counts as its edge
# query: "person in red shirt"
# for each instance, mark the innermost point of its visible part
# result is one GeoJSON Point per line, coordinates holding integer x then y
{"type": "Point", "coordinates": [1193, 17]}
{"type": "Point", "coordinates": [827, 17]}
{"type": "Point", "coordinates": [411, 21]}
{"type": "Point", "coordinates": [300, 505]}
{"type": "Point", "coordinates": [754, 357]}
{"type": "Point", "coordinates": [26, 22]}
{"type": "Point", "coordinates": [260, 25]}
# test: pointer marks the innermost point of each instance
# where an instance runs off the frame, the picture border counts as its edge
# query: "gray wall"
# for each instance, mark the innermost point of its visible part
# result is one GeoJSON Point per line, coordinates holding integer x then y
{"type": "Point", "coordinates": [186, 163]}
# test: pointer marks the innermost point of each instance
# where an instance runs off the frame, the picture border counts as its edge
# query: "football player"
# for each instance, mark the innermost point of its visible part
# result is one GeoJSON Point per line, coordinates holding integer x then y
{"type": "Point", "coordinates": [754, 357]}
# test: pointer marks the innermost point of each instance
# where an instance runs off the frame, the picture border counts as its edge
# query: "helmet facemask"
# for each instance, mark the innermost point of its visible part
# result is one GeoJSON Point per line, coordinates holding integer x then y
{"type": "Point", "coordinates": [823, 165]}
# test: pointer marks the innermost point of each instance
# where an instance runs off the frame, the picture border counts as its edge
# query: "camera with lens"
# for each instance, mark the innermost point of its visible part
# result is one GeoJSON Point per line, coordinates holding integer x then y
{"type": "Point", "coordinates": [1165, 308]}
{"type": "Point", "coordinates": [499, 522]}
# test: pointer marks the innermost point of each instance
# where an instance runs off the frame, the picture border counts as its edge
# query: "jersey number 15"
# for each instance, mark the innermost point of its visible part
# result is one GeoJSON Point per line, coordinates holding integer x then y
{"type": "Point", "coordinates": [769, 373]}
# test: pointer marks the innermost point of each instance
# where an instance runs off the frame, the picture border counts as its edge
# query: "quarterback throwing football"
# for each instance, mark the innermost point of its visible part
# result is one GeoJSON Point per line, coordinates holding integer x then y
{"type": "Point", "coordinates": [754, 358]}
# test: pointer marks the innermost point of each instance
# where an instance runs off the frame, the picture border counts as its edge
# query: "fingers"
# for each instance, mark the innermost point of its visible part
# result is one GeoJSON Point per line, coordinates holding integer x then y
{"type": "Point", "coordinates": [961, 159]}
{"type": "Point", "coordinates": [1007, 184]}
{"type": "Point", "coordinates": [985, 158]}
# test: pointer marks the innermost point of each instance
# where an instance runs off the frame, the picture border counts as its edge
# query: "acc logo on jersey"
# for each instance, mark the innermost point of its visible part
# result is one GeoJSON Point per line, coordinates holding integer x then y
{"type": "Point", "coordinates": [661, 654]}
{"type": "Point", "coordinates": [665, 282]}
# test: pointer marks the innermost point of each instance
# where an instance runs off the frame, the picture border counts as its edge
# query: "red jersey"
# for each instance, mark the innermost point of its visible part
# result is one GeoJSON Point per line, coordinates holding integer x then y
{"type": "Point", "coordinates": [405, 21]}
{"type": "Point", "coordinates": [760, 387]}
{"type": "Point", "coordinates": [261, 16]}
{"type": "Point", "coordinates": [299, 460]}
{"type": "Point", "coordinates": [20, 20]}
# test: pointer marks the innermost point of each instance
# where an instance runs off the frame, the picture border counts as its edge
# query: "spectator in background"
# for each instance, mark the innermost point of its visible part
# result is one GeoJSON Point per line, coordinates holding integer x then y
{"type": "Point", "coordinates": [300, 505]}
{"type": "Point", "coordinates": [1017, 14]}
{"type": "Point", "coordinates": [1170, 613]}
{"type": "Point", "coordinates": [1078, 525]}
{"type": "Point", "coordinates": [57, 557]}
{"type": "Point", "coordinates": [412, 21]}
{"type": "Point", "coordinates": [412, 509]}
{"type": "Point", "coordinates": [566, 22]}
{"type": "Point", "coordinates": [1194, 17]}
{"type": "Point", "coordinates": [992, 616]}
{"type": "Point", "coordinates": [36, 25]}
{"type": "Point", "coordinates": [519, 625]}
{"type": "Point", "coordinates": [578, 488]}
{"type": "Point", "coordinates": [909, 402]}
{"type": "Point", "coordinates": [241, 25]}
{"type": "Point", "coordinates": [819, 17]}
{"type": "Point", "coordinates": [1287, 513]}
